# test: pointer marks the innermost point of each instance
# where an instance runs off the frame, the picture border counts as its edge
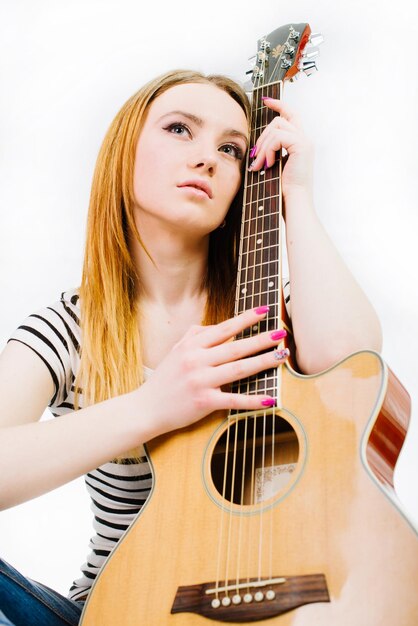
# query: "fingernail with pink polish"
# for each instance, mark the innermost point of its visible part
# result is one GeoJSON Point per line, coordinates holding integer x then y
{"type": "Point", "coordinates": [266, 98]}
{"type": "Point", "coordinates": [269, 402]}
{"type": "Point", "coordinates": [253, 151]}
{"type": "Point", "coordinates": [279, 355]}
{"type": "Point", "coordinates": [265, 164]}
{"type": "Point", "coordinates": [278, 334]}
{"type": "Point", "coordinates": [262, 309]}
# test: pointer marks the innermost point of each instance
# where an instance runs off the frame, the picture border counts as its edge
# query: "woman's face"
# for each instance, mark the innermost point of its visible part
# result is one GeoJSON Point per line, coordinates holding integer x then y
{"type": "Point", "coordinates": [194, 136]}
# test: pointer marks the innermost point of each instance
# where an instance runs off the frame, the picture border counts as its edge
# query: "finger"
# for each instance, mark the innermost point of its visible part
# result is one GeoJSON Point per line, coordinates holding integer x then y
{"type": "Point", "coordinates": [243, 368]}
{"type": "Point", "coordinates": [242, 401]}
{"type": "Point", "coordinates": [232, 351]}
{"type": "Point", "coordinates": [227, 329]}
{"type": "Point", "coordinates": [284, 109]}
{"type": "Point", "coordinates": [278, 123]}
{"type": "Point", "coordinates": [280, 139]}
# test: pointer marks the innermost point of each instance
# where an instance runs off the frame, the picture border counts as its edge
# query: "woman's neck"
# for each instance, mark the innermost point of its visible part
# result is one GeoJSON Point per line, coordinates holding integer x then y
{"type": "Point", "coordinates": [175, 272]}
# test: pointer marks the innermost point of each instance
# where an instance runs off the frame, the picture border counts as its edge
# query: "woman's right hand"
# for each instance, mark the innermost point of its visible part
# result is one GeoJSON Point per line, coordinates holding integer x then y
{"type": "Point", "coordinates": [186, 385]}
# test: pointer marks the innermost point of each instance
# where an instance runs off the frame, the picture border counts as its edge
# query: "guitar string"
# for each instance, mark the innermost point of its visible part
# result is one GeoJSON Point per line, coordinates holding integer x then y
{"type": "Point", "coordinates": [237, 301]}
{"type": "Point", "coordinates": [244, 456]}
{"type": "Point", "coordinates": [232, 494]}
{"type": "Point", "coordinates": [250, 225]}
{"type": "Point", "coordinates": [247, 238]}
{"type": "Point", "coordinates": [278, 317]}
{"type": "Point", "coordinates": [266, 262]}
{"type": "Point", "coordinates": [278, 372]}
{"type": "Point", "coordinates": [276, 269]}
{"type": "Point", "coordinates": [259, 227]}
{"type": "Point", "coordinates": [220, 536]}
{"type": "Point", "coordinates": [264, 120]}
{"type": "Point", "coordinates": [254, 202]}
{"type": "Point", "coordinates": [260, 202]}
{"type": "Point", "coordinates": [236, 420]}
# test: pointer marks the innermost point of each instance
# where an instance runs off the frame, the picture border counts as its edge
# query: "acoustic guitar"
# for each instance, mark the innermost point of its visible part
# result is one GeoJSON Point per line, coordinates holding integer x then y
{"type": "Point", "coordinates": [288, 514]}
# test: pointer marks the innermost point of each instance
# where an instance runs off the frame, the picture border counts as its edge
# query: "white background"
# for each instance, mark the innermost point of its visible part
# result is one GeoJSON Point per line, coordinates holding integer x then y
{"type": "Point", "coordinates": [66, 69]}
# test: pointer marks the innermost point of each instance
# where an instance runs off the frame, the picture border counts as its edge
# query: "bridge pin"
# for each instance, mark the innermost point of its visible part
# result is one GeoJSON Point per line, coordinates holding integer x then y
{"type": "Point", "coordinates": [226, 601]}
{"type": "Point", "coordinates": [216, 603]}
{"type": "Point", "coordinates": [236, 599]}
{"type": "Point", "coordinates": [248, 598]}
{"type": "Point", "coordinates": [270, 595]}
{"type": "Point", "coordinates": [259, 596]}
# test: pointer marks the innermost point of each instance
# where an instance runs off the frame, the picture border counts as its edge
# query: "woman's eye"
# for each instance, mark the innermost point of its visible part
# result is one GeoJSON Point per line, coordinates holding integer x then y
{"type": "Point", "coordinates": [178, 129]}
{"type": "Point", "coordinates": [233, 150]}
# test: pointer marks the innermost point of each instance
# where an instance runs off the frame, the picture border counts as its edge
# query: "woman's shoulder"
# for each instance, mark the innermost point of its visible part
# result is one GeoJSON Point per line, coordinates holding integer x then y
{"type": "Point", "coordinates": [53, 332]}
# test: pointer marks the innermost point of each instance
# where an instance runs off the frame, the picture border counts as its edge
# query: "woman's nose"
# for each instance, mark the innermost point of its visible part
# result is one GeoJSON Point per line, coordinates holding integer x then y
{"type": "Point", "coordinates": [204, 159]}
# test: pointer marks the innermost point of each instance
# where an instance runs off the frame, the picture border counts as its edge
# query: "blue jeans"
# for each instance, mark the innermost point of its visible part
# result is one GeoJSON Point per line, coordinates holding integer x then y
{"type": "Point", "coordinates": [24, 602]}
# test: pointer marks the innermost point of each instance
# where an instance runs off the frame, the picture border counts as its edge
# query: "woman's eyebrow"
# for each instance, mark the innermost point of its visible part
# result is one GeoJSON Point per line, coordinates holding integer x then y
{"type": "Point", "coordinates": [199, 122]}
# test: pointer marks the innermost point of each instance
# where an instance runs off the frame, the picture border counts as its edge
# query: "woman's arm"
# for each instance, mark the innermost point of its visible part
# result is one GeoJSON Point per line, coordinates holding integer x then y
{"type": "Point", "coordinates": [331, 315]}
{"type": "Point", "coordinates": [36, 457]}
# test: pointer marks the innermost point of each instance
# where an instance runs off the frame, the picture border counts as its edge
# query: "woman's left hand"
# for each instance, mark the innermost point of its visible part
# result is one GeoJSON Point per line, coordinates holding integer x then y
{"type": "Point", "coordinates": [285, 131]}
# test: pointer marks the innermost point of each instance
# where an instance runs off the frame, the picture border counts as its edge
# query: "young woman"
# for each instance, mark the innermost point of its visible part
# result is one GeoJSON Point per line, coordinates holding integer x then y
{"type": "Point", "coordinates": [150, 326]}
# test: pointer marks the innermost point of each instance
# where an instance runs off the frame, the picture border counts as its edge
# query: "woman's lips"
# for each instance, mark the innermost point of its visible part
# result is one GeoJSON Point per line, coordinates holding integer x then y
{"type": "Point", "coordinates": [199, 193]}
{"type": "Point", "coordinates": [199, 185]}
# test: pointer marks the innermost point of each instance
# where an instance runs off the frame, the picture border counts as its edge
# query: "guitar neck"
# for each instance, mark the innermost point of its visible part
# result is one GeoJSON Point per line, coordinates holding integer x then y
{"type": "Point", "coordinates": [259, 279]}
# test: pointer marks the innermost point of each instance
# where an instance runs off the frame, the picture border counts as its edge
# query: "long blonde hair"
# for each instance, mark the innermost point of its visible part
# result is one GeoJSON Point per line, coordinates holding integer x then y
{"type": "Point", "coordinates": [111, 362]}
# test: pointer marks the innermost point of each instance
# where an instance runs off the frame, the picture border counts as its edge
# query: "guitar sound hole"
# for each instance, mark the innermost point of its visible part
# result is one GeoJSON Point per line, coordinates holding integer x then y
{"type": "Point", "coordinates": [260, 454]}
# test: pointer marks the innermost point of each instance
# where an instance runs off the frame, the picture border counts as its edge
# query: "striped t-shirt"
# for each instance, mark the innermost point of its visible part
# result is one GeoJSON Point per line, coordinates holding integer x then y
{"type": "Point", "coordinates": [117, 490]}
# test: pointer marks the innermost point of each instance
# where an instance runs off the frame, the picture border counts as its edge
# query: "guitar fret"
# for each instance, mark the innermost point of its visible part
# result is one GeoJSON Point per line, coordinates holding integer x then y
{"type": "Point", "coordinates": [257, 184]}
{"type": "Point", "coordinates": [261, 234]}
{"type": "Point", "coordinates": [251, 302]}
{"type": "Point", "coordinates": [264, 198]}
{"type": "Point", "coordinates": [257, 227]}
{"type": "Point", "coordinates": [268, 88]}
{"type": "Point", "coordinates": [258, 293]}
{"type": "Point", "coordinates": [252, 266]}
{"type": "Point", "coordinates": [262, 183]}
{"type": "Point", "coordinates": [268, 323]}
{"type": "Point", "coordinates": [260, 271]}
{"type": "Point", "coordinates": [262, 216]}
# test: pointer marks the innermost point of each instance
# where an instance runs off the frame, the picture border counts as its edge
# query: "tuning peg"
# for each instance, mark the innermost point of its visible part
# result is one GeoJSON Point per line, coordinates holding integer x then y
{"type": "Point", "coordinates": [305, 63]}
{"type": "Point", "coordinates": [310, 69]}
{"type": "Point", "coordinates": [316, 39]}
{"type": "Point", "coordinates": [310, 52]}
{"type": "Point", "coordinates": [294, 34]}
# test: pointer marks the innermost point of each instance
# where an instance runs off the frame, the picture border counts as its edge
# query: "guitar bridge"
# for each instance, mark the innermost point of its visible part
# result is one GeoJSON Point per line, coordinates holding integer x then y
{"type": "Point", "coordinates": [250, 600]}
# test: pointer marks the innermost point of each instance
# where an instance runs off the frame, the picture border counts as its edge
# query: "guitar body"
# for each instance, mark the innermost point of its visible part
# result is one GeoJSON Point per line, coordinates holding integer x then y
{"type": "Point", "coordinates": [337, 517]}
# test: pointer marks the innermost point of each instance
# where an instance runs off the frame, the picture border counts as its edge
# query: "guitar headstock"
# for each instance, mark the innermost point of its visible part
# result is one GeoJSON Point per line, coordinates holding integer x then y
{"type": "Point", "coordinates": [285, 54]}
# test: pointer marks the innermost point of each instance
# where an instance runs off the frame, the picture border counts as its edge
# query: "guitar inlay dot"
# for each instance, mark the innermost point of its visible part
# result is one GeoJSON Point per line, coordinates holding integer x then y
{"type": "Point", "coordinates": [271, 283]}
{"type": "Point", "coordinates": [261, 208]}
{"type": "Point", "coordinates": [244, 290]}
{"type": "Point", "coordinates": [259, 240]}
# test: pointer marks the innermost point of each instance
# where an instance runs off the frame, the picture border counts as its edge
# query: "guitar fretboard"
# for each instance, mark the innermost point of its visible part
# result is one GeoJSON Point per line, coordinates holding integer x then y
{"type": "Point", "coordinates": [259, 264]}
